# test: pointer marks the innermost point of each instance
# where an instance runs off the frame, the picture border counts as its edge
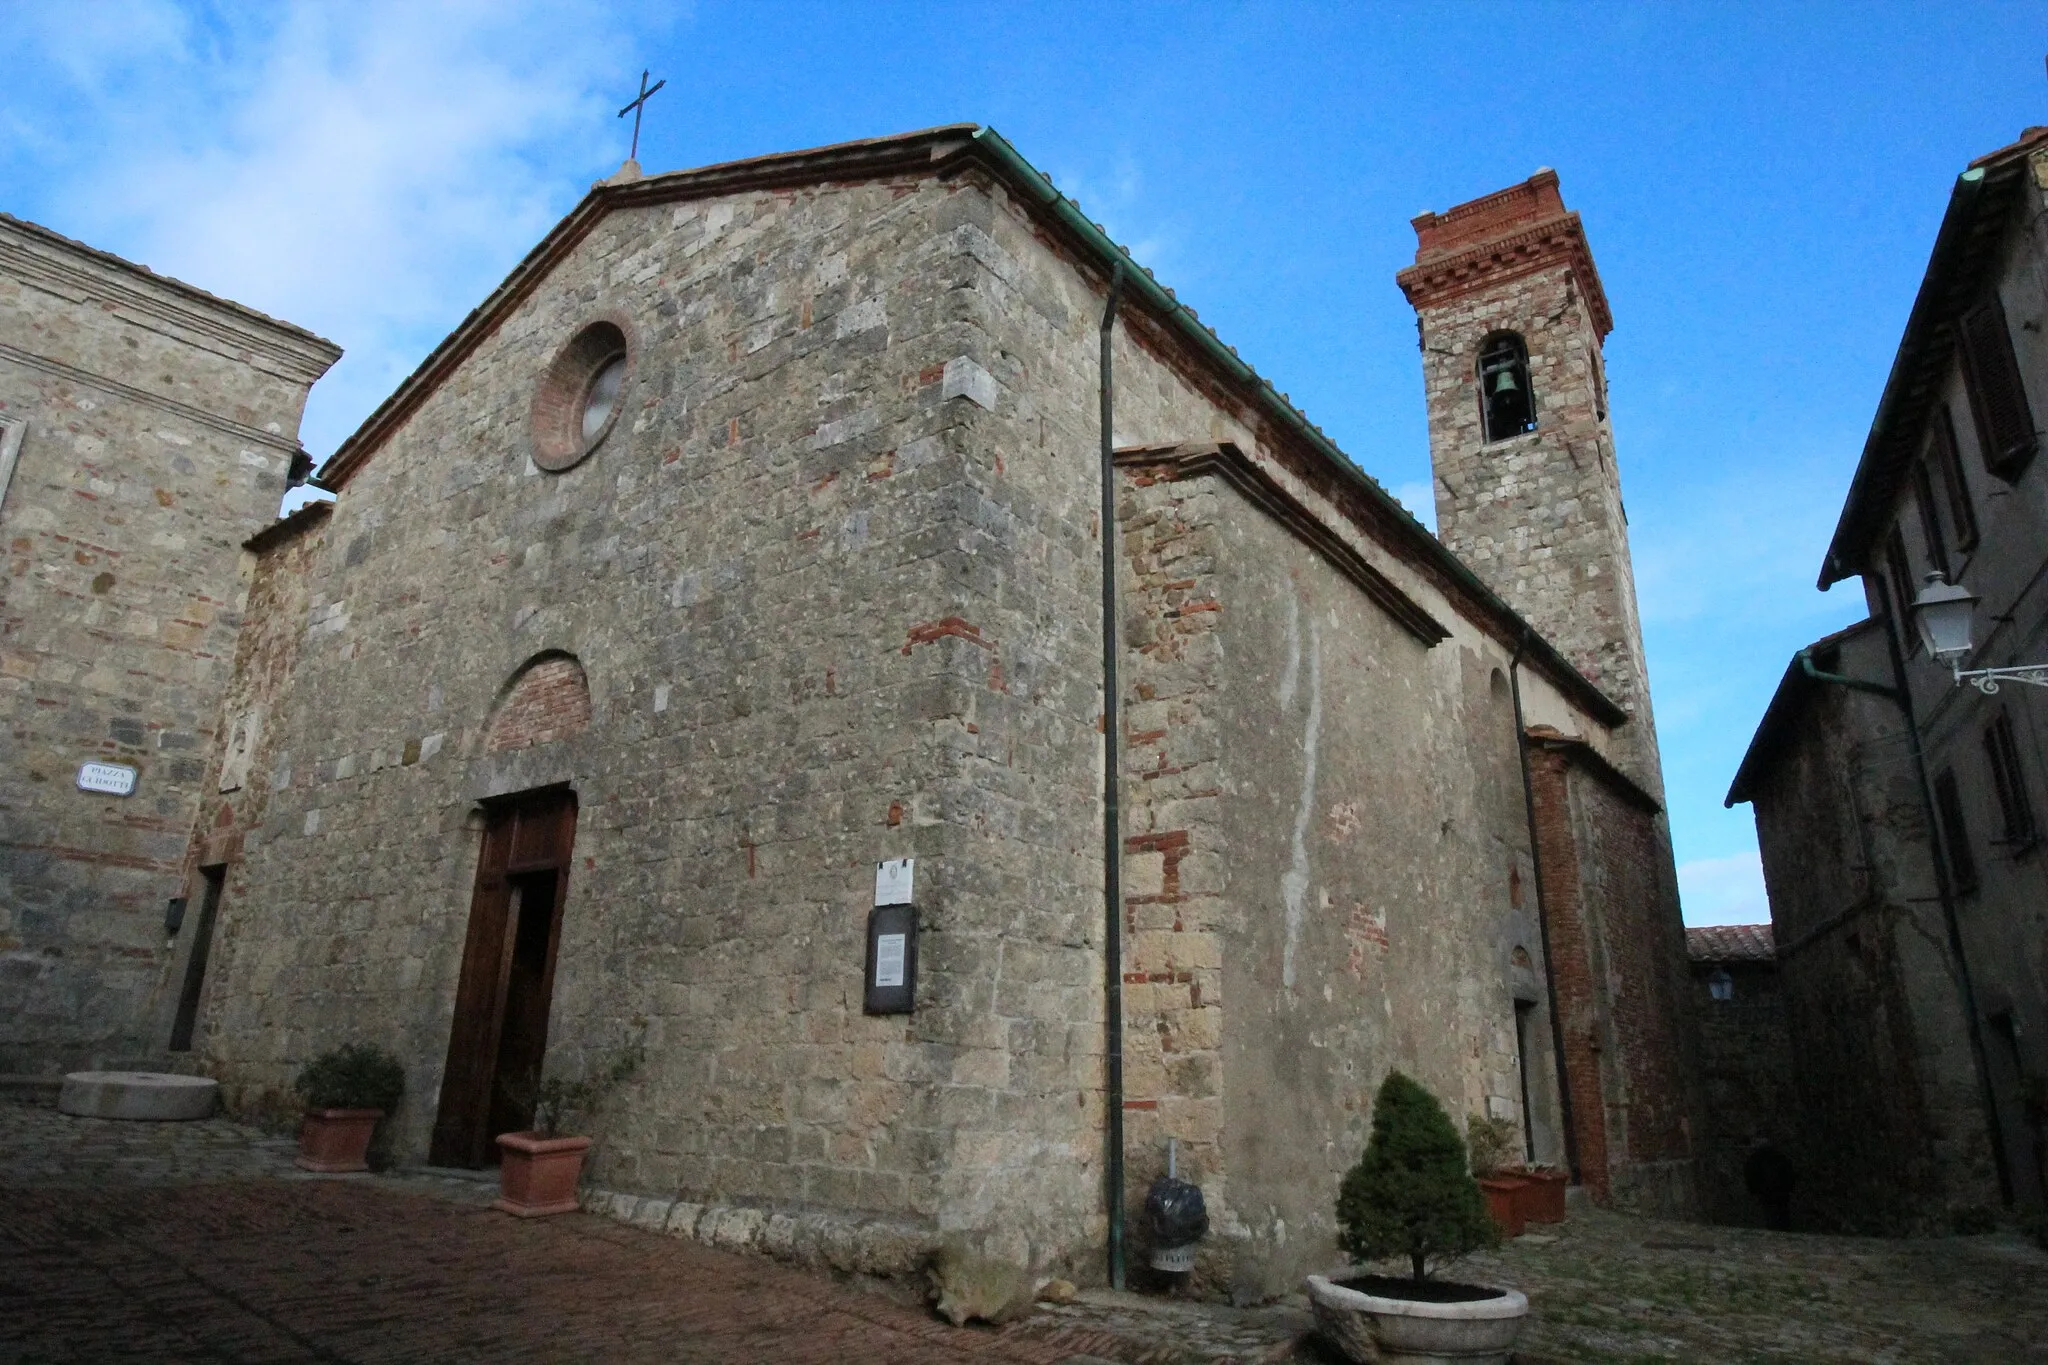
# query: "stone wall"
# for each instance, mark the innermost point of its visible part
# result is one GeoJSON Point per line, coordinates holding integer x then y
{"type": "Point", "coordinates": [1892, 1133]}
{"type": "Point", "coordinates": [1747, 1077]}
{"type": "Point", "coordinates": [1325, 825]}
{"type": "Point", "coordinates": [155, 427]}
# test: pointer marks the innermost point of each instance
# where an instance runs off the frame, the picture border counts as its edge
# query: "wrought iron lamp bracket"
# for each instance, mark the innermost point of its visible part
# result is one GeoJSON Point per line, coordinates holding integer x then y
{"type": "Point", "coordinates": [1988, 680]}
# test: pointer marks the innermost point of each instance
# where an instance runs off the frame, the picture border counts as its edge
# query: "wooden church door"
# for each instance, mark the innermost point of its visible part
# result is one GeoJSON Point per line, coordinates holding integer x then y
{"type": "Point", "coordinates": [500, 1031]}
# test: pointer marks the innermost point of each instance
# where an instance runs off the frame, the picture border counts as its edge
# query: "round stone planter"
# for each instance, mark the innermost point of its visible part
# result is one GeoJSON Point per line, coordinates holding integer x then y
{"type": "Point", "coordinates": [537, 1175]}
{"type": "Point", "coordinates": [146, 1095]}
{"type": "Point", "coordinates": [1371, 1328]}
{"type": "Point", "coordinates": [336, 1141]}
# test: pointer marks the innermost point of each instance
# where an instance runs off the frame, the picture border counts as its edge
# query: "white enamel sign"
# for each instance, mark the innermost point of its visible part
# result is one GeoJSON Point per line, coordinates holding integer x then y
{"type": "Point", "coordinates": [892, 881]}
{"type": "Point", "coordinates": [111, 779]}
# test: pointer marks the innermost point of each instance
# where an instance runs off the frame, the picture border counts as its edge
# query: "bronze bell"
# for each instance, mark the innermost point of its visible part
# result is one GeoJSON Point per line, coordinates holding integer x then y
{"type": "Point", "coordinates": [1504, 382]}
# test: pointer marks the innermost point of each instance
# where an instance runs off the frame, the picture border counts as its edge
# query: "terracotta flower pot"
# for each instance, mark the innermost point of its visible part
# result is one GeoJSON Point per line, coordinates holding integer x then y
{"type": "Point", "coordinates": [1542, 1196]}
{"type": "Point", "coordinates": [1504, 1201]}
{"type": "Point", "coordinates": [537, 1175]}
{"type": "Point", "coordinates": [334, 1141]}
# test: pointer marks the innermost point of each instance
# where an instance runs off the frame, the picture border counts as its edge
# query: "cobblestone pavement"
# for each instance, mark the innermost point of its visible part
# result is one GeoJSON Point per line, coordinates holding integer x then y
{"type": "Point", "coordinates": [201, 1242]}
{"type": "Point", "coordinates": [1609, 1288]}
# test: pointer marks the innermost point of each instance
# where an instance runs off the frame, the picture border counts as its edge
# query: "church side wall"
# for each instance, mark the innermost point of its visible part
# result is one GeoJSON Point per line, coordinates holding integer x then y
{"type": "Point", "coordinates": [151, 445]}
{"type": "Point", "coordinates": [818, 630]}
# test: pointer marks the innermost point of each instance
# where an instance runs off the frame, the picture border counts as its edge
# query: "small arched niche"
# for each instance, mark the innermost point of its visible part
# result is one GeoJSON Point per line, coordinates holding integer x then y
{"type": "Point", "coordinates": [1507, 404]}
{"type": "Point", "coordinates": [547, 699]}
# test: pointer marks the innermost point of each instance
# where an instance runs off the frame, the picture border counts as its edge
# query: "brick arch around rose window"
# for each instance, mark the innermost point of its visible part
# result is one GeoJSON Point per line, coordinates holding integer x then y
{"type": "Point", "coordinates": [546, 699]}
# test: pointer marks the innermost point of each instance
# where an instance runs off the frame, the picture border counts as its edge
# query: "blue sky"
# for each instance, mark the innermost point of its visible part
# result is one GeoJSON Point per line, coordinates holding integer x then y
{"type": "Point", "coordinates": [1761, 185]}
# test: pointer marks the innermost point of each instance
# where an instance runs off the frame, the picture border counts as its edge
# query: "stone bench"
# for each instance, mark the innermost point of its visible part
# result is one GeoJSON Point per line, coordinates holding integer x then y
{"type": "Point", "coordinates": [147, 1095]}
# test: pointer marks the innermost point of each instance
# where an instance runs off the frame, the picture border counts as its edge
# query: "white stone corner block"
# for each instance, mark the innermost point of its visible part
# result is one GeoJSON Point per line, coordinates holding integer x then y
{"type": "Point", "coordinates": [965, 379]}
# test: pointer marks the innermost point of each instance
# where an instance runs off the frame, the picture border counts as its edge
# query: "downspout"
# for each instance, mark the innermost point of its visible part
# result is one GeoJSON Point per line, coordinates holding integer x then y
{"type": "Point", "coordinates": [1938, 838]}
{"type": "Point", "coordinates": [1564, 1087]}
{"type": "Point", "coordinates": [1112, 815]}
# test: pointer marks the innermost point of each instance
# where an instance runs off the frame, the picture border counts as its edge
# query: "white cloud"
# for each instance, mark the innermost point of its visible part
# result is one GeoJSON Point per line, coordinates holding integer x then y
{"type": "Point", "coordinates": [1724, 890]}
{"type": "Point", "coordinates": [367, 170]}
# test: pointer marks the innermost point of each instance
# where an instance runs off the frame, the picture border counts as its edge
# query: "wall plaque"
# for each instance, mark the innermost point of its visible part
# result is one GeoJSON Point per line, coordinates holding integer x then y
{"type": "Point", "coordinates": [109, 779]}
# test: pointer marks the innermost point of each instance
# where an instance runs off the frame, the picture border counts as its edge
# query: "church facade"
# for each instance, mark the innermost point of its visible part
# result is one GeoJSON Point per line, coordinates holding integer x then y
{"type": "Point", "coordinates": [747, 536]}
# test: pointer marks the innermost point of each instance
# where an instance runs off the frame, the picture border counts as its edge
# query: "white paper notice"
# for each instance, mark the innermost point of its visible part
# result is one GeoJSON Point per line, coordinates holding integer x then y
{"type": "Point", "coordinates": [892, 882]}
{"type": "Point", "coordinates": [889, 959]}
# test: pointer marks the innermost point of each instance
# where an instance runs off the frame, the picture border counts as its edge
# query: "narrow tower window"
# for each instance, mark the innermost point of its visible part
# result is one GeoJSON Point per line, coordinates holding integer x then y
{"type": "Point", "coordinates": [1506, 405]}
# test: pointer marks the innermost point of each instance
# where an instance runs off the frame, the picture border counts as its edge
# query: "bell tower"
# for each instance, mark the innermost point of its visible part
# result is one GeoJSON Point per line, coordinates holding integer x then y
{"type": "Point", "coordinates": [1512, 317]}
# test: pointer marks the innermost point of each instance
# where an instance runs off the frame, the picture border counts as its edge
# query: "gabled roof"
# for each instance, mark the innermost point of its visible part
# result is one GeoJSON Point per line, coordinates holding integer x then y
{"type": "Point", "coordinates": [1731, 943]}
{"type": "Point", "coordinates": [1781, 716]}
{"type": "Point", "coordinates": [956, 149]}
{"type": "Point", "coordinates": [1964, 249]}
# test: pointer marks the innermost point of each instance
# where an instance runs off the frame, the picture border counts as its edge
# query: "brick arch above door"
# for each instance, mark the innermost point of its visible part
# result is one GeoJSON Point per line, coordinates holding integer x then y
{"type": "Point", "coordinates": [547, 699]}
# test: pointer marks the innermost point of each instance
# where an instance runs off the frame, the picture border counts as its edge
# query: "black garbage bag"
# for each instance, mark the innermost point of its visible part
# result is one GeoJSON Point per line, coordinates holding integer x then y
{"type": "Point", "coordinates": [1175, 1212]}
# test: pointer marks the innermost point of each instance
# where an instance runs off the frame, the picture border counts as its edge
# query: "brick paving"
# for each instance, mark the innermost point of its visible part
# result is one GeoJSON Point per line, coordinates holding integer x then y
{"type": "Point", "coordinates": [201, 1242]}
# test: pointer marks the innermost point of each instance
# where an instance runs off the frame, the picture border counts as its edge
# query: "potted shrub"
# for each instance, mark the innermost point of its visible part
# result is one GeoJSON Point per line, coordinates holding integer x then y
{"type": "Point", "coordinates": [346, 1091]}
{"type": "Point", "coordinates": [1412, 1196]}
{"type": "Point", "coordinates": [1493, 1144]}
{"type": "Point", "coordinates": [538, 1170]}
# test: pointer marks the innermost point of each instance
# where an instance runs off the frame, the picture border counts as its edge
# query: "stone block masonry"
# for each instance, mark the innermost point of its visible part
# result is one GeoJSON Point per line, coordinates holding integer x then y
{"type": "Point", "coordinates": [155, 426]}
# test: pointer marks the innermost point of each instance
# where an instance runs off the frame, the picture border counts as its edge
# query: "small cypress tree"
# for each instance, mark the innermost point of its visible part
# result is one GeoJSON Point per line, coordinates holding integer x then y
{"type": "Point", "coordinates": [1410, 1193]}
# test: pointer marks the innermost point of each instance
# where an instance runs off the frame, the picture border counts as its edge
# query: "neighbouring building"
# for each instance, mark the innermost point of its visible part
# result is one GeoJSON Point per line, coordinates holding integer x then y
{"type": "Point", "coordinates": [747, 536]}
{"type": "Point", "coordinates": [1896, 802]}
{"type": "Point", "coordinates": [1745, 1065]}
{"type": "Point", "coordinates": [147, 429]}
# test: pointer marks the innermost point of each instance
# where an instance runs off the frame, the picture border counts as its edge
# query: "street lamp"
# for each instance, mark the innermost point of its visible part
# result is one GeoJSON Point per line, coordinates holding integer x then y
{"type": "Point", "coordinates": [1942, 611]}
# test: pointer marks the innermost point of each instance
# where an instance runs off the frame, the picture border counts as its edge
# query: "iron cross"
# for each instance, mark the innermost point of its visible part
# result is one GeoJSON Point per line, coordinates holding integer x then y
{"type": "Point", "coordinates": [636, 108]}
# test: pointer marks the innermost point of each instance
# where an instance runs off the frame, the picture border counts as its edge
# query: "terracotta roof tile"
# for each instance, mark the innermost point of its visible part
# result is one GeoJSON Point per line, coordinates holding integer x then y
{"type": "Point", "coordinates": [1730, 943]}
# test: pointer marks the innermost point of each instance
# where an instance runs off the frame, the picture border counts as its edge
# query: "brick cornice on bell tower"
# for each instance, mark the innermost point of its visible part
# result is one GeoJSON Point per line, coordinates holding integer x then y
{"type": "Point", "coordinates": [1534, 510]}
{"type": "Point", "coordinates": [1504, 235]}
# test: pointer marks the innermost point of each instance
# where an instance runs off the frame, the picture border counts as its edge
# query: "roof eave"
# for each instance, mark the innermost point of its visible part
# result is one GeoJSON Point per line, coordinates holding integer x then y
{"type": "Point", "coordinates": [1968, 230]}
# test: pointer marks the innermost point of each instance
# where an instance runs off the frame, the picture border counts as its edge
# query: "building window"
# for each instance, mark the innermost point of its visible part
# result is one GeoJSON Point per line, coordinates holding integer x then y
{"type": "Point", "coordinates": [1955, 836]}
{"type": "Point", "coordinates": [1941, 451]}
{"type": "Point", "coordinates": [2009, 780]}
{"type": "Point", "coordinates": [1506, 404]}
{"type": "Point", "coordinates": [1721, 985]}
{"type": "Point", "coordinates": [12, 429]}
{"type": "Point", "coordinates": [1930, 517]}
{"type": "Point", "coordinates": [579, 397]}
{"type": "Point", "coordinates": [1900, 571]}
{"type": "Point", "coordinates": [1998, 397]}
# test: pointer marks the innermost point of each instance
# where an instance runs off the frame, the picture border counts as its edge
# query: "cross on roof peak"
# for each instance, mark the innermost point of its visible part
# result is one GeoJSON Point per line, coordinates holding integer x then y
{"type": "Point", "coordinates": [636, 107]}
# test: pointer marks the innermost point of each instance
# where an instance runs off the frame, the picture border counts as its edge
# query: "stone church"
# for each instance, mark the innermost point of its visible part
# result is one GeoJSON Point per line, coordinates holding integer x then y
{"type": "Point", "coordinates": [749, 535]}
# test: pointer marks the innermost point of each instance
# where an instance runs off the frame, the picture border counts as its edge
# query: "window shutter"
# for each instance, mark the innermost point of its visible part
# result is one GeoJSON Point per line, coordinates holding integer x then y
{"type": "Point", "coordinates": [1962, 513]}
{"type": "Point", "coordinates": [1998, 399]}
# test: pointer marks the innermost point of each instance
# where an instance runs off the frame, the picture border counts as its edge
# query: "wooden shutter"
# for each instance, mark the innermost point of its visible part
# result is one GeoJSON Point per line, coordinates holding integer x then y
{"type": "Point", "coordinates": [1942, 450]}
{"type": "Point", "coordinates": [1930, 517]}
{"type": "Point", "coordinates": [2009, 781]}
{"type": "Point", "coordinates": [1998, 398]}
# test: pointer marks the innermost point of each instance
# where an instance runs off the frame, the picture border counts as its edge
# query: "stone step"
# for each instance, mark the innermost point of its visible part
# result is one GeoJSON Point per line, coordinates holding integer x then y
{"type": "Point", "coordinates": [147, 1095]}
